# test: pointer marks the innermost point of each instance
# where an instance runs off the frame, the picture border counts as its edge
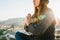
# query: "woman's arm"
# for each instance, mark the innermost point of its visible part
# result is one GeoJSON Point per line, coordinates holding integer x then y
{"type": "Point", "coordinates": [27, 21]}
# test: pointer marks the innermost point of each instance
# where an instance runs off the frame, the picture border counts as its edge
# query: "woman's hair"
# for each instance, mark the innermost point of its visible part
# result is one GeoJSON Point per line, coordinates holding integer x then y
{"type": "Point", "coordinates": [42, 7]}
{"type": "Point", "coordinates": [42, 1]}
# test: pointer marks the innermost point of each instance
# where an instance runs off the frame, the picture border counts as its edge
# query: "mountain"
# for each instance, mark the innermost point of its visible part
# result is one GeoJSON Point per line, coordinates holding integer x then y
{"type": "Point", "coordinates": [13, 21]}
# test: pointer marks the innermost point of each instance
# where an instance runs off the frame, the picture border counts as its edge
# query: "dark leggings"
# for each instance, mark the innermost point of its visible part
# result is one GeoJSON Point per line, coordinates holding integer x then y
{"type": "Point", "coordinates": [21, 36]}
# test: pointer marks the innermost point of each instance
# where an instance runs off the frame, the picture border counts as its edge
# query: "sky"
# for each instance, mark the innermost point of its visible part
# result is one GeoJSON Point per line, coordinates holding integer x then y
{"type": "Point", "coordinates": [20, 8]}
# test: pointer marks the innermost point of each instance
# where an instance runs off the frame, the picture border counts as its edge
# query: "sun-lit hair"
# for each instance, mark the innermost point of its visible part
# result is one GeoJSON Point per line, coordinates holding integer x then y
{"type": "Point", "coordinates": [42, 6]}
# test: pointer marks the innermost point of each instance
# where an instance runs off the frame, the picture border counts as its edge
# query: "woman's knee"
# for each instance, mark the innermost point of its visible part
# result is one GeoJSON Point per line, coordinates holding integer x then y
{"type": "Point", "coordinates": [17, 33]}
{"type": "Point", "coordinates": [18, 36]}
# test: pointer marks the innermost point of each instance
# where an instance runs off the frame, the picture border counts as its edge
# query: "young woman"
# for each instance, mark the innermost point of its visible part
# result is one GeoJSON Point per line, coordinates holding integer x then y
{"type": "Point", "coordinates": [44, 27]}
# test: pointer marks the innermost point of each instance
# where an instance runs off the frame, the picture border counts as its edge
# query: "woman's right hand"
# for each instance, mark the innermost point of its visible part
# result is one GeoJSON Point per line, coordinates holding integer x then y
{"type": "Point", "coordinates": [28, 19]}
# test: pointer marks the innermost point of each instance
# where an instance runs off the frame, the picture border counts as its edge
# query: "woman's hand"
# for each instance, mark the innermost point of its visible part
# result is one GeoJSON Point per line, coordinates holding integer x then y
{"type": "Point", "coordinates": [28, 19]}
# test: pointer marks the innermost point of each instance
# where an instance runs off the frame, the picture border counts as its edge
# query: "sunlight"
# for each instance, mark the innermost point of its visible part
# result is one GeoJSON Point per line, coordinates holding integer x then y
{"type": "Point", "coordinates": [15, 9]}
{"type": "Point", "coordinates": [55, 7]}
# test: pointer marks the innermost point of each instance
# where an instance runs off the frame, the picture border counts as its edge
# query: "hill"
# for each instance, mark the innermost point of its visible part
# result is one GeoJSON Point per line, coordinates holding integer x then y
{"type": "Point", "coordinates": [13, 21]}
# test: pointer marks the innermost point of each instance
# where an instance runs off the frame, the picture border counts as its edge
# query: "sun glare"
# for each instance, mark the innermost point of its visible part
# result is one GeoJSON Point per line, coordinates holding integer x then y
{"type": "Point", "coordinates": [54, 5]}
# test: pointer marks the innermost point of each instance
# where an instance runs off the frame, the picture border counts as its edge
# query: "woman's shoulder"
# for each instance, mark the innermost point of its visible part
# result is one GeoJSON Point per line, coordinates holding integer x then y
{"type": "Point", "coordinates": [48, 10]}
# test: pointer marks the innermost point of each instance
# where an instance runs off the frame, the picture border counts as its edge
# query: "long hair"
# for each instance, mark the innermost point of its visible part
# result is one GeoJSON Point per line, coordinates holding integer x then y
{"type": "Point", "coordinates": [42, 7]}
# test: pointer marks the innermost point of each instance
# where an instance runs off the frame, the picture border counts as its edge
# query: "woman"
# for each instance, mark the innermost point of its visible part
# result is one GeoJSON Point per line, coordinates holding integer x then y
{"type": "Point", "coordinates": [44, 27]}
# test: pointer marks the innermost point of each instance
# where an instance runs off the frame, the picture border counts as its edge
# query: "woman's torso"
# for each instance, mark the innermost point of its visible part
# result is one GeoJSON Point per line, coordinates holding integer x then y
{"type": "Point", "coordinates": [48, 35]}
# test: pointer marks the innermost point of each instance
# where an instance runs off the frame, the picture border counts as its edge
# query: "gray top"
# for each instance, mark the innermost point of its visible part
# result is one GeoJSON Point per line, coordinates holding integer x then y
{"type": "Point", "coordinates": [40, 27]}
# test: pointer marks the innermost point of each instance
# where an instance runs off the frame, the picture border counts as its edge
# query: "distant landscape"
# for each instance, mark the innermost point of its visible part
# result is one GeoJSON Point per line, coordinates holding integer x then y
{"type": "Point", "coordinates": [13, 21]}
{"type": "Point", "coordinates": [19, 22]}
{"type": "Point", "coordinates": [10, 26]}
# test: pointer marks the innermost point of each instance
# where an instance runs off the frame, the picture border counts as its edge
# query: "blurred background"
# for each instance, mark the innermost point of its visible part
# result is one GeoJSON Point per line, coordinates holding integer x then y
{"type": "Point", "coordinates": [13, 14]}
